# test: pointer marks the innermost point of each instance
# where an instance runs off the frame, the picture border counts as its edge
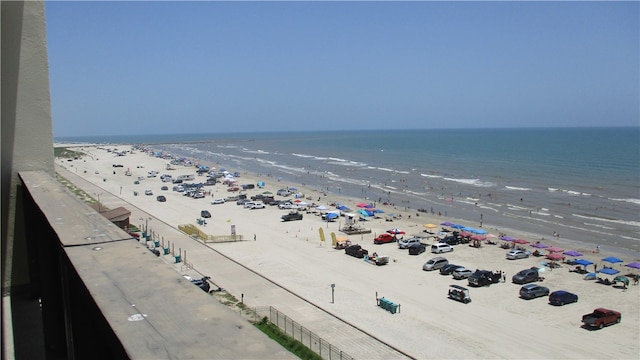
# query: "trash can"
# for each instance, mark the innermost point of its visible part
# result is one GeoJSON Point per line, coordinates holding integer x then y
{"type": "Point", "coordinates": [166, 250]}
{"type": "Point", "coordinates": [156, 243]}
{"type": "Point", "coordinates": [177, 258]}
{"type": "Point", "coordinates": [135, 193]}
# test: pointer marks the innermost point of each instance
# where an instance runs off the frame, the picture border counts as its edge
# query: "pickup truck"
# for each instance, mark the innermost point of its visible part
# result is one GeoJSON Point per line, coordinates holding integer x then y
{"type": "Point", "coordinates": [294, 215]}
{"type": "Point", "coordinates": [601, 317]}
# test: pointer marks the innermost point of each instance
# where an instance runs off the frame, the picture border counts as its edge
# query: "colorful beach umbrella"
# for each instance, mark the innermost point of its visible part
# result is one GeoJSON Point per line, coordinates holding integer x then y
{"type": "Point", "coordinates": [457, 226]}
{"type": "Point", "coordinates": [430, 226]}
{"type": "Point", "coordinates": [395, 231]}
{"type": "Point", "coordinates": [555, 256]}
{"type": "Point", "coordinates": [507, 238]}
{"type": "Point", "coordinates": [554, 249]}
{"type": "Point", "coordinates": [572, 253]}
{"type": "Point", "coordinates": [634, 265]}
{"type": "Point", "coordinates": [447, 223]}
{"type": "Point", "coordinates": [520, 241]}
{"type": "Point", "coordinates": [539, 245]}
{"type": "Point", "coordinates": [583, 262]}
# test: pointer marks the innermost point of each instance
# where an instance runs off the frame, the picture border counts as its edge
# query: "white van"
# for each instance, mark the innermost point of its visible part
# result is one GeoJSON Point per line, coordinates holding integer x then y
{"type": "Point", "coordinates": [440, 248]}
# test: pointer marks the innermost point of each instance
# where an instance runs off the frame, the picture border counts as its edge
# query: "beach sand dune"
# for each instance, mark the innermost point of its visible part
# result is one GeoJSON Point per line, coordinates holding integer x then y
{"type": "Point", "coordinates": [496, 324]}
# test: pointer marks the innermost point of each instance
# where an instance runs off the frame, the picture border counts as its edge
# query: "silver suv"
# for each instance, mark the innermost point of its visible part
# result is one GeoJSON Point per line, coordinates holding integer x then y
{"type": "Point", "coordinates": [435, 263]}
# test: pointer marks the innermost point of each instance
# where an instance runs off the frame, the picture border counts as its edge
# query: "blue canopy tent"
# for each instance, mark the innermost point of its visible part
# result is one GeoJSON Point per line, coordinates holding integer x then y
{"type": "Point", "coordinates": [583, 262]}
{"type": "Point", "coordinates": [612, 260]}
{"type": "Point", "coordinates": [608, 271]}
{"type": "Point", "coordinates": [331, 216]}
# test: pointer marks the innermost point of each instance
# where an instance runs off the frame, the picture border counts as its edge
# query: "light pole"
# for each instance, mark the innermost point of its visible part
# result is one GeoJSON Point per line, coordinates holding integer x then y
{"type": "Point", "coordinates": [146, 224]}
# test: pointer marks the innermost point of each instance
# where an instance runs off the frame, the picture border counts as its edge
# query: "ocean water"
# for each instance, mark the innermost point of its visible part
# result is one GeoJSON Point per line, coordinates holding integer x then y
{"type": "Point", "coordinates": [582, 183]}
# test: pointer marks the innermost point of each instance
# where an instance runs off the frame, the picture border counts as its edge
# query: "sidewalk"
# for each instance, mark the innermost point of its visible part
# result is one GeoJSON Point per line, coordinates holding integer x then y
{"type": "Point", "coordinates": [233, 277]}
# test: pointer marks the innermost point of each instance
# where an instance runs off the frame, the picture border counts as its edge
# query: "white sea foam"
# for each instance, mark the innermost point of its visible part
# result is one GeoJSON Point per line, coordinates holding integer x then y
{"type": "Point", "coordinates": [631, 200]}
{"type": "Point", "coordinates": [474, 182]}
{"type": "Point", "coordinates": [517, 188]}
{"type": "Point", "coordinates": [614, 221]}
{"type": "Point", "coordinates": [431, 176]}
{"type": "Point", "coordinates": [302, 155]}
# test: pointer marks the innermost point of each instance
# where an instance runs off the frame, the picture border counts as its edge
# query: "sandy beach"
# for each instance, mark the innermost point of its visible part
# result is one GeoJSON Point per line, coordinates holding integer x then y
{"type": "Point", "coordinates": [496, 324]}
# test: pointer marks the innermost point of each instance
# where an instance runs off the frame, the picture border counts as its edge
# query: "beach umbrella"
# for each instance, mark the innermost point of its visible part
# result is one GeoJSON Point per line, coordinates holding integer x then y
{"type": "Point", "coordinates": [608, 271]}
{"type": "Point", "coordinates": [507, 238]}
{"type": "Point", "coordinates": [520, 241]}
{"type": "Point", "coordinates": [457, 226]}
{"type": "Point", "coordinates": [363, 213]}
{"type": "Point", "coordinates": [331, 216]}
{"type": "Point", "coordinates": [634, 265]}
{"type": "Point", "coordinates": [369, 212]}
{"type": "Point", "coordinates": [395, 231]}
{"type": "Point", "coordinates": [622, 279]}
{"type": "Point", "coordinates": [293, 189]}
{"type": "Point", "coordinates": [430, 226]}
{"type": "Point", "coordinates": [583, 262]}
{"type": "Point", "coordinates": [361, 205]}
{"type": "Point", "coordinates": [447, 223]}
{"type": "Point", "coordinates": [555, 256]}
{"type": "Point", "coordinates": [491, 236]}
{"type": "Point", "coordinates": [572, 253]}
{"type": "Point", "coordinates": [342, 207]}
{"type": "Point", "coordinates": [378, 211]}
{"type": "Point", "coordinates": [539, 245]}
{"type": "Point", "coordinates": [479, 231]}
{"type": "Point", "coordinates": [465, 234]}
{"type": "Point", "coordinates": [554, 249]}
{"type": "Point", "coordinates": [478, 237]}
{"type": "Point", "coordinates": [369, 206]}
{"type": "Point", "coordinates": [612, 260]}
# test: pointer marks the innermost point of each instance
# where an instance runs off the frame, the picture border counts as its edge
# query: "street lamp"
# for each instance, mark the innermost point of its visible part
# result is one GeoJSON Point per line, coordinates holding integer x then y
{"type": "Point", "coordinates": [333, 287]}
{"type": "Point", "coordinates": [146, 224]}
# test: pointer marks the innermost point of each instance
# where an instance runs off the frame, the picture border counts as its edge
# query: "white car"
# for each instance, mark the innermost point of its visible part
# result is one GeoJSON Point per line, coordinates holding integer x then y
{"type": "Point", "coordinates": [257, 205]}
{"type": "Point", "coordinates": [517, 254]}
{"type": "Point", "coordinates": [217, 201]}
{"type": "Point", "coordinates": [148, 192]}
{"type": "Point", "coordinates": [405, 243]}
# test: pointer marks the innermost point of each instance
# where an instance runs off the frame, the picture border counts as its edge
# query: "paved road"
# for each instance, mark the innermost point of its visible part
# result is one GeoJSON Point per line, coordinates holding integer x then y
{"type": "Point", "coordinates": [233, 277]}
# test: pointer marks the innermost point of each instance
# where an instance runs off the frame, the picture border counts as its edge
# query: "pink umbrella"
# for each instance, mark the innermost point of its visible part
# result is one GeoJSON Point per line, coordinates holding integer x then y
{"type": "Point", "coordinates": [465, 234]}
{"type": "Point", "coordinates": [555, 256]}
{"type": "Point", "coordinates": [520, 241]}
{"type": "Point", "coordinates": [554, 249]}
{"type": "Point", "coordinates": [478, 237]}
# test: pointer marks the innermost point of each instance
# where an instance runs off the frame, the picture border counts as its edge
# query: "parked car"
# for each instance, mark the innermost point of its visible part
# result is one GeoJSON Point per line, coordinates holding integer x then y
{"type": "Point", "coordinates": [518, 254]}
{"type": "Point", "coordinates": [526, 276]}
{"type": "Point", "coordinates": [562, 297]}
{"type": "Point", "coordinates": [483, 278]}
{"type": "Point", "coordinates": [164, 188]}
{"type": "Point", "coordinates": [217, 201]}
{"type": "Point", "coordinates": [148, 192]}
{"type": "Point", "coordinates": [405, 243]}
{"type": "Point", "coordinates": [384, 238]}
{"type": "Point", "coordinates": [161, 198]}
{"type": "Point", "coordinates": [294, 215]}
{"type": "Point", "coordinates": [356, 251]}
{"type": "Point", "coordinates": [242, 201]}
{"type": "Point", "coordinates": [205, 214]}
{"type": "Point", "coordinates": [601, 317]}
{"type": "Point", "coordinates": [448, 269]}
{"type": "Point", "coordinates": [257, 205]}
{"type": "Point", "coordinates": [532, 291]}
{"type": "Point", "coordinates": [440, 248]}
{"type": "Point", "coordinates": [435, 263]}
{"type": "Point", "coordinates": [461, 273]}
{"type": "Point", "coordinates": [417, 248]}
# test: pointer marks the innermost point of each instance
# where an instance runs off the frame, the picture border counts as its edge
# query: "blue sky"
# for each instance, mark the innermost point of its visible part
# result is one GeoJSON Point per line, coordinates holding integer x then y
{"type": "Point", "coordinates": [131, 68]}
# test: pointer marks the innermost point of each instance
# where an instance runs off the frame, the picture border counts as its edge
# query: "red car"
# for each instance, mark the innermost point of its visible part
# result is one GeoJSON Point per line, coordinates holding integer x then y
{"type": "Point", "coordinates": [384, 238]}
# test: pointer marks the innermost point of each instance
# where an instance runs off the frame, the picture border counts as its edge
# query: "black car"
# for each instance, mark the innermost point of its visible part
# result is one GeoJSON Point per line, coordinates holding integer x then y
{"type": "Point", "coordinates": [161, 198]}
{"type": "Point", "coordinates": [356, 251]}
{"type": "Point", "coordinates": [449, 269]}
{"type": "Point", "coordinates": [562, 297]}
{"type": "Point", "coordinates": [205, 214]}
{"type": "Point", "coordinates": [417, 248]}
{"type": "Point", "coordinates": [164, 188]}
{"type": "Point", "coordinates": [484, 277]}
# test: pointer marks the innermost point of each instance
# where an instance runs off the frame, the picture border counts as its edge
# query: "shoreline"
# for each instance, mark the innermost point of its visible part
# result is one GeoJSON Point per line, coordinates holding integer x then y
{"type": "Point", "coordinates": [291, 254]}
